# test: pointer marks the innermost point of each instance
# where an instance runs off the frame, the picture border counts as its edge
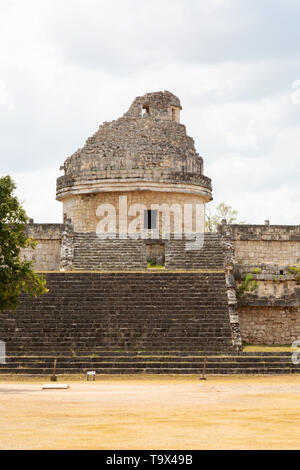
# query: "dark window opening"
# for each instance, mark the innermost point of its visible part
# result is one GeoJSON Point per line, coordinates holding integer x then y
{"type": "Point", "coordinates": [173, 114]}
{"type": "Point", "coordinates": [281, 271]}
{"type": "Point", "coordinates": [150, 219]}
{"type": "Point", "coordinates": [146, 110]}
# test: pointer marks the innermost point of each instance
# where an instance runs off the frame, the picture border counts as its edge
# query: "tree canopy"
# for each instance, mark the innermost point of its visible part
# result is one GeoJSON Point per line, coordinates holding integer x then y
{"type": "Point", "coordinates": [16, 274]}
{"type": "Point", "coordinates": [215, 217]}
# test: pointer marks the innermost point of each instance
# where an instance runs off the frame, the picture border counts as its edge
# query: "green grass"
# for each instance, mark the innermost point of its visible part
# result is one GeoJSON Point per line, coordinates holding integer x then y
{"type": "Point", "coordinates": [155, 266]}
{"type": "Point", "coordinates": [152, 265]}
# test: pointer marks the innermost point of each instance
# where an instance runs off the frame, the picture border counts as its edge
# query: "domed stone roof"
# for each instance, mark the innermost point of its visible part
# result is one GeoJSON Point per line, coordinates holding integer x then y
{"type": "Point", "coordinates": [147, 145]}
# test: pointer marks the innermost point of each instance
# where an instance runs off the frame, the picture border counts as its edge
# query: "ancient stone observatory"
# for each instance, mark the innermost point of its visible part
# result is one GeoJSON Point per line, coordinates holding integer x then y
{"type": "Point", "coordinates": [145, 155]}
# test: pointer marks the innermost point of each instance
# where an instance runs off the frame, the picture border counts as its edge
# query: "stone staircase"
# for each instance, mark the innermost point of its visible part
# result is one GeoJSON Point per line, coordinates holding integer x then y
{"type": "Point", "coordinates": [209, 256]}
{"type": "Point", "coordinates": [91, 313]}
{"type": "Point", "coordinates": [94, 253]}
{"type": "Point", "coordinates": [138, 321]}
{"type": "Point", "coordinates": [176, 362]}
{"type": "Point", "coordinates": [129, 323]}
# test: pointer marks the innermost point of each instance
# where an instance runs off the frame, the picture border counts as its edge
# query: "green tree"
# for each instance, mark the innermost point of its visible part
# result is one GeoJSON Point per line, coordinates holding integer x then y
{"type": "Point", "coordinates": [16, 275]}
{"type": "Point", "coordinates": [215, 217]}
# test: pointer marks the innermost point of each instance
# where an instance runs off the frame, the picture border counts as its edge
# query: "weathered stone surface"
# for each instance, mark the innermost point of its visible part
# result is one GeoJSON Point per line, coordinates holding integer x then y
{"type": "Point", "coordinates": [92, 312]}
{"type": "Point", "coordinates": [270, 324]}
{"type": "Point", "coordinates": [263, 244]}
{"type": "Point", "coordinates": [151, 362]}
{"type": "Point", "coordinates": [136, 145]}
{"type": "Point", "coordinates": [148, 155]}
{"type": "Point", "coordinates": [269, 314]}
{"type": "Point", "coordinates": [47, 254]}
{"type": "Point", "coordinates": [91, 252]}
{"type": "Point", "coordinates": [67, 249]}
{"type": "Point", "coordinates": [208, 256]}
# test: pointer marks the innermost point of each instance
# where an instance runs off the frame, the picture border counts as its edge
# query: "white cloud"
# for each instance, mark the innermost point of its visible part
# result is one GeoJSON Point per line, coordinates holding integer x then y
{"type": "Point", "coordinates": [36, 191]}
{"type": "Point", "coordinates": [279, 205]}
{"type": "Point", "coordinates": [5, 98]}
{"type": "Point", "coordinates": [248, 125]}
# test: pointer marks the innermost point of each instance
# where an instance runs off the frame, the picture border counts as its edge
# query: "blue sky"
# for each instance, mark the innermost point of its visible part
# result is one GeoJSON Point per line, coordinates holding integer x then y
{"type": "Point", "coordinates": [67, 66]}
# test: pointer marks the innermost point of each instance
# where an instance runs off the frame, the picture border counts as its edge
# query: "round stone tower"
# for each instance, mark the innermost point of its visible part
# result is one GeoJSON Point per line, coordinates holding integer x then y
{"type": "Point", "coordinates": [145, 155]}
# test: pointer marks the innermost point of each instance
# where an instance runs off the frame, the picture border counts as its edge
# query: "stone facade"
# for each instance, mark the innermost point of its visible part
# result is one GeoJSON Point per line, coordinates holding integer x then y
{"type": "Point", "coordinates": [146, 155]}
{"type": "Point", "coordinates": [267, 251]}
{"type": "Point", "coordinates": [145, 159]}
{"type": "Point", "coordinates": [47, 254]}
{"type": "Point", "coordinates": [265, 244]}
{"type": "Point", "coordinates": [270, 314]}
{"type": "Point", "coordinates": [84, 211]}
{"type": "Point", "coordinates": [269, 325]}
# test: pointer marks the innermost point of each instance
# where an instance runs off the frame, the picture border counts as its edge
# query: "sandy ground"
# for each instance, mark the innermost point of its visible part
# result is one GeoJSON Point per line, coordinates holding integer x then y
{"type": "Point", "coordinates": [152, 413]}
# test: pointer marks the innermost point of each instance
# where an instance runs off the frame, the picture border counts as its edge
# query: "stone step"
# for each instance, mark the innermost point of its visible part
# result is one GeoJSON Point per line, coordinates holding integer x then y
{"type": "Point", "coordinates": [92, 252]}
{"type": "Point", "coordinates": [180, 355]}
{"type": "Point", "coordinates": [126, 311]}
{"type": "Point", "coordinates": [177, 368]}
{"type": "Point", "coordinates": [143, 359]}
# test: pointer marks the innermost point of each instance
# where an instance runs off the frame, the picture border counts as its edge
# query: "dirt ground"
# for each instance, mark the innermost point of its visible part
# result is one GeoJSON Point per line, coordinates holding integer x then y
{"type": "Point", "coordinates": [151, 412]}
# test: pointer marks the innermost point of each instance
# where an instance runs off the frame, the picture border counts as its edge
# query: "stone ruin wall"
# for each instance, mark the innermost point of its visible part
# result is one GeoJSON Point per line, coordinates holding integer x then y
{"type": "Point", "coordinates": [269, 325]}
{"type": "Point", "coordinates": [271, 313]}
{"type": "Point", "coordinates": [146, 155]}
{"type": "Point", "coordinates": [47, 253]}
{"type": "Point", "coordinates": [82, 210]}
{"type": "Point", "coordinates": [152, 147]}
{"type": "Point", "coordinates": [282, 253]}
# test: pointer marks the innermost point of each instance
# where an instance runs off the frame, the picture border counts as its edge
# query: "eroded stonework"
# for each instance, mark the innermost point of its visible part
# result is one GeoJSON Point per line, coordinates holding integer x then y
{"type": "Point", "coordinates": [270, 313]}
{"type": "Point", "coordinates": [147, 158]}
{"type": "Point", "coordinates": [146, 150]}
{"type": "Point", "coordinates": [47, 254]}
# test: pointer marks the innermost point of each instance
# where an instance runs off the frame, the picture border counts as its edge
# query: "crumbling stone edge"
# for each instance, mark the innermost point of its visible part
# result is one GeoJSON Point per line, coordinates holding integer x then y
{"type": "Point", "coordinates": [229, 265]}
{"type": "Point", "coordinates": [67, 248]}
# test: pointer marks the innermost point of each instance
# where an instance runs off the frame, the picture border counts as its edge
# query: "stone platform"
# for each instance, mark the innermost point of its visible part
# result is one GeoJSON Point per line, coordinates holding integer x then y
{"type": "Point", "coordinates": [173, 362]}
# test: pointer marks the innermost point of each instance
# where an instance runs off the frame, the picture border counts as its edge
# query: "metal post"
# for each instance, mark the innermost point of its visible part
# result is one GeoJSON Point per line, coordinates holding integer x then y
{"type": "Point", "coordinates": [54, 377]}
{"type": "Point", "coordinates": [204, 369]}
